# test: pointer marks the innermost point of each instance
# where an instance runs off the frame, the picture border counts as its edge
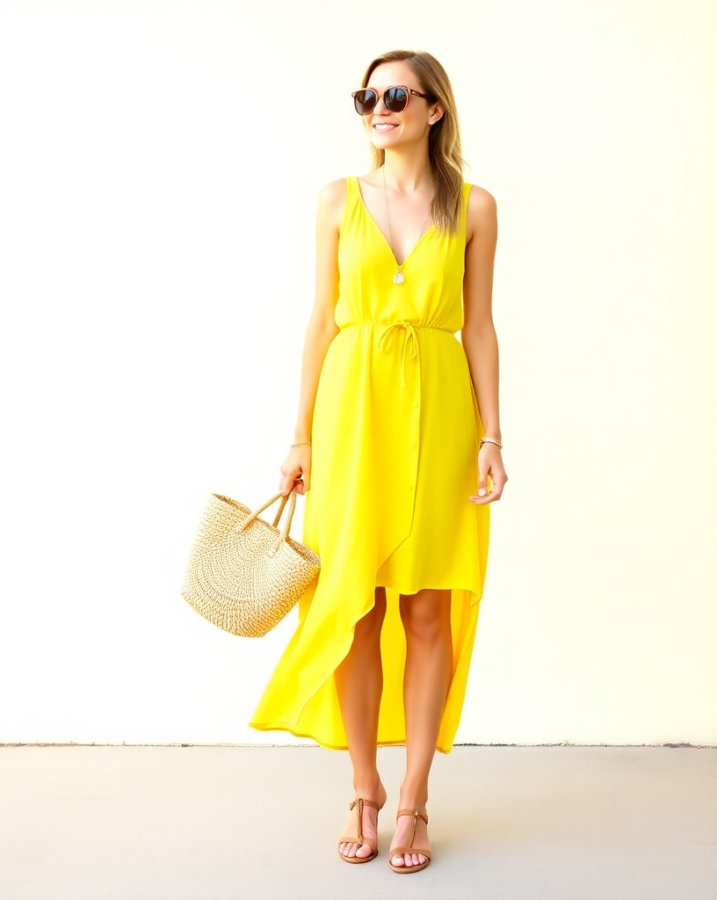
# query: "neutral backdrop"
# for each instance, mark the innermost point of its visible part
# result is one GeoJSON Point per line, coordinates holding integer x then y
{"type": "Point", "coordinates": [159, 169]}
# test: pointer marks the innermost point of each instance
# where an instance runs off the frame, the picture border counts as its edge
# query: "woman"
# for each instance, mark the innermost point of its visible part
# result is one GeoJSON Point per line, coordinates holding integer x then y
{"type": "Point", "coordinates": [397, 450]}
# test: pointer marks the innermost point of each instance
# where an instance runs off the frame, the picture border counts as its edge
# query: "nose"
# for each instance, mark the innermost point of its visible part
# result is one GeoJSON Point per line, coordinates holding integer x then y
{"type": "Point", "coordinates": [380, 107]}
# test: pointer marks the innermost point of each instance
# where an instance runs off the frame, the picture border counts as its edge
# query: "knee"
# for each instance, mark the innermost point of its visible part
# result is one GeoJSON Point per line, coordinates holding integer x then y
{"type": "Point", "coordinates": [425, 618]}
{"type": "Point", "coordinates": [368, 628]}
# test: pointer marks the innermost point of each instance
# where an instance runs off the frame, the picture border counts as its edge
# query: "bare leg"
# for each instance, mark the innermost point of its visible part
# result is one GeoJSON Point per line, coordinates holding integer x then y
{"type": "Point", "coordinates": [359, 683]}
{"type": "Point", "coordinates": [426, 619]}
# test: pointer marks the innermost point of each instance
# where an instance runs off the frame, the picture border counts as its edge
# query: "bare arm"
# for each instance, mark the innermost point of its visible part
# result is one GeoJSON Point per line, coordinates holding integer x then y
{"type": "Point", "coordinates": [478, 335]}
{"type": "Point", "coordinates": [320, 332]}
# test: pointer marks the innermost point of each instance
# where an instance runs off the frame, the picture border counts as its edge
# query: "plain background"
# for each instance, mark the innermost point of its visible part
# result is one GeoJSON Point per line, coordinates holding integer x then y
{"type": "Point", "coordinates": [159, 168]}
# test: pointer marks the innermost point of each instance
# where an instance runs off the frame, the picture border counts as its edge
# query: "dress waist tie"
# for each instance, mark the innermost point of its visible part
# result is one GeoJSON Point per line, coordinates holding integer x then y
{"type": "Point", "coordinates": [409, 334]}
{"type": "Point", "coordinates": [384, 342]}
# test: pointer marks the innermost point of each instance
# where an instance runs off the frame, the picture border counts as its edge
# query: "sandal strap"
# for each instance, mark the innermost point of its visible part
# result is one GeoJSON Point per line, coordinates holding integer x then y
{"type": "Point", "coordinates": [359, 804]}
{"type": "Point", "coordinates": [352, 839]}
{"type": "Point", "coordinates": [416, 814]}
{"type": "Point", "coordinates": [413, 812]}
{"type": "Point", "coordinates": [371, 803]}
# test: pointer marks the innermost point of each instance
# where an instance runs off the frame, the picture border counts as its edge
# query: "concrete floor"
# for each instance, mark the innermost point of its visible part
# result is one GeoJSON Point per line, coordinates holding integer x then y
{"type": "Point", "coordinates": [208, 823]}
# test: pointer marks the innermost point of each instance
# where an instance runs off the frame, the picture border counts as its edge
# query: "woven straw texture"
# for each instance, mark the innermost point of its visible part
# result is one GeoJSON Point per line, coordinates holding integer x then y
{"type": "Point", "coordinates": [244, 574]}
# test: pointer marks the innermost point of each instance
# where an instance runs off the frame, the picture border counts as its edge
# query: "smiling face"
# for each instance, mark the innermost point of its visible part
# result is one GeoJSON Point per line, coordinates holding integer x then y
{"type": "Point", "coordinates": [387, 129]}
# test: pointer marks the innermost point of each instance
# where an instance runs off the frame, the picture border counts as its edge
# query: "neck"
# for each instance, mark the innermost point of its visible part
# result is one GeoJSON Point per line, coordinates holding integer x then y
{"type": "Point", "coordinates": [407, 171]}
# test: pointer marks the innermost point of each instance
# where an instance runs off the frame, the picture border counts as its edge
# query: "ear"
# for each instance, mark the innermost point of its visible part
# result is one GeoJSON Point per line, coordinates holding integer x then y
{"type": "Point", "coordinates": [436, 113]}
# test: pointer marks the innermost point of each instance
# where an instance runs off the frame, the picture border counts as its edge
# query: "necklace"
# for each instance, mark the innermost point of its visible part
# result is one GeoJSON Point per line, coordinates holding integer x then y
{"type": "Point", "coordinates": [399, 277]}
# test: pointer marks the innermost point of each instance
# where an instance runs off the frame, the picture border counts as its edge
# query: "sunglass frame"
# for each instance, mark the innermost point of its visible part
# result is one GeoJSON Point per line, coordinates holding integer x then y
{"type": "Point", "coordinates": [403, 87]}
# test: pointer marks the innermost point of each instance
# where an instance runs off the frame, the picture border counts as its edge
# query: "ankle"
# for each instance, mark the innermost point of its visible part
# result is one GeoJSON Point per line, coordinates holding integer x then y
{"type": "Point", "coordinates": [413, 797]}
{"type": "Point", "coordinates": [367, 786]}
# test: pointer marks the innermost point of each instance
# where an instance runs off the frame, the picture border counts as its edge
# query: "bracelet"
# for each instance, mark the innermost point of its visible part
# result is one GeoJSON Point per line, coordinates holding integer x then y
{"type": "Point", "coordinates": [486, 440]}
{"type": "Point", "coordinates": [300, 443]}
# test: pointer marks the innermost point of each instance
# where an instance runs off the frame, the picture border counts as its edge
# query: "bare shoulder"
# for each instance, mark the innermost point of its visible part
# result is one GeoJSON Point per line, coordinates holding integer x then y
{"type": "Point", "coordinates": [481, 212]}
{"type": "Point", "coordinates": [332, 202]}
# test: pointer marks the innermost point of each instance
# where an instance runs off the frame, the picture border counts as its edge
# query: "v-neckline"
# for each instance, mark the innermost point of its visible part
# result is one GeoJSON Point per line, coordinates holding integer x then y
{"type": "Point", "coordinates": [365, 208]}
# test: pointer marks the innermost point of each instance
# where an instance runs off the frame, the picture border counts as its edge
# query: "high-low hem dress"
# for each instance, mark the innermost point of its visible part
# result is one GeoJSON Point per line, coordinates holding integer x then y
{"type": "Point", "coordinates": [395, 441]}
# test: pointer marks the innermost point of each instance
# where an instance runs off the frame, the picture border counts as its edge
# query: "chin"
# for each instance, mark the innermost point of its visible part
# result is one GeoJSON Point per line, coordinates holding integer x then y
{"type": "Point", "coordinates": [382, 138]}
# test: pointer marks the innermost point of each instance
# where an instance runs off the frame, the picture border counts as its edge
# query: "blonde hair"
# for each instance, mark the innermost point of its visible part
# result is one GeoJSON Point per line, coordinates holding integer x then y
{"type": "Point", "coordinates": [444, 143]}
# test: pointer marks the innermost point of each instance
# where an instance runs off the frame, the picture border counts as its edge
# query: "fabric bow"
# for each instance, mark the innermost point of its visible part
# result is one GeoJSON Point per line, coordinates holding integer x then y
{"type": "Point", "coordinates": [384, 342]}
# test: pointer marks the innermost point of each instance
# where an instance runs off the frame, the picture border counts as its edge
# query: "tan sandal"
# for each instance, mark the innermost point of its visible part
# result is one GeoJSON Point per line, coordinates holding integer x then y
{"type": "Point", "coordinates": [399, 851]}
{"type": "Point", "coordinates": [357, 838]}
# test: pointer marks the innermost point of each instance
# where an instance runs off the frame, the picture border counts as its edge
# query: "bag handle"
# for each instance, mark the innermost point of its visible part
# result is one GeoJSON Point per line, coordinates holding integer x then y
{"type": "Point", "coordinates": [250, 518]}
{"type": "Point", "coordinates": [287, 521]}
{"type": "Point", "coordinates": [284, 501]}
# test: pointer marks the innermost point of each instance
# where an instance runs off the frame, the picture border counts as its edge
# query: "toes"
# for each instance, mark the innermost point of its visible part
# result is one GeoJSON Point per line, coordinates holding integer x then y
{"type": "Point", "coordinates": [397, 860]}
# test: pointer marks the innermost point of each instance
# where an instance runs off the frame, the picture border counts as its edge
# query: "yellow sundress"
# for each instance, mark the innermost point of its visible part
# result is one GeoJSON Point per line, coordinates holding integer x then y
{"type": "Point", "coordinates": [395, 442]}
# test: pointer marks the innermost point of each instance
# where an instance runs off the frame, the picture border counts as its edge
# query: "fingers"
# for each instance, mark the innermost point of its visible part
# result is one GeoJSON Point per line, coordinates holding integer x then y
{"type": "Point", "coordinates": [498, 481]}
{"type": "Point", "coordinates": [288, 478]}
{"type": "Point", "coordinates": [295, 475]}
{"type": "Point", "coordinates": [483, 496]}
{"type": "Point", "coordinates": [288, 484]}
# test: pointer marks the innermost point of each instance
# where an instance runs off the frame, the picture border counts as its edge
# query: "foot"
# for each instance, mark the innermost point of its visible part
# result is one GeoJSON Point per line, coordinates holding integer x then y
{"type": "Point", "coordinates": [368, 825]}
{"type": "Point", "coordinates": [402, 838]}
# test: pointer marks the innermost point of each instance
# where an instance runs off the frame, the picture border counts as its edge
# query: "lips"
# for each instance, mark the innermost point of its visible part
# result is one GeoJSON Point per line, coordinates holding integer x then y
{"type": "Point", "coordinates": [385, 126]}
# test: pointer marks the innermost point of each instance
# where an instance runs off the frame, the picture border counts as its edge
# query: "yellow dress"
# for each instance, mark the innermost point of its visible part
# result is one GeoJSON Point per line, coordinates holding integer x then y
{"type": "Point", "coordinates": [395, 436]}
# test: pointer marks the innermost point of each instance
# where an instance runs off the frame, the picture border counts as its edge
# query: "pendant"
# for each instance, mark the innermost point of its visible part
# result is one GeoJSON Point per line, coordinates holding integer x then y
{"type": "Point", "coordinates": [399, 277]}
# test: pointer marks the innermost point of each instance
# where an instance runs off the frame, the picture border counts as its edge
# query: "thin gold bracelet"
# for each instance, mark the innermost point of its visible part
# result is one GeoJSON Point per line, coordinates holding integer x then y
{"type": "Point", "coordinates": [487, 440]}
{"type": "Point", "coordinates": [300, 443]}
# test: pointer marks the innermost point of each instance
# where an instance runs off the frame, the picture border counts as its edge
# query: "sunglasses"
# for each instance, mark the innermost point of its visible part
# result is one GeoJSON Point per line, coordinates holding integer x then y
{"type": "Point", "coordinates": [395, 99]}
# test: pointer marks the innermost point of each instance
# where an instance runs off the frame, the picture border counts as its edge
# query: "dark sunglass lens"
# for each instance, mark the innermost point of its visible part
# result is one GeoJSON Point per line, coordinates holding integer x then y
{"type": "Point", "coordinates": [395, 99]}
{"type": "Point", "coordinates": [364, 101]}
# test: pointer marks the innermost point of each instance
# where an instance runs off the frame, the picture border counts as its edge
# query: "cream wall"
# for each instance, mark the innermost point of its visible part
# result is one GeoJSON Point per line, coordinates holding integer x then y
{"type": "Point", "coordinates": [159, 168]}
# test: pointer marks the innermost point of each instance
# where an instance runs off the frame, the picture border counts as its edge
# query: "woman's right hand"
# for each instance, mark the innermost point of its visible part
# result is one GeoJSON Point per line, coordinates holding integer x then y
{"type": "Point", "coordinates": [296, 470]}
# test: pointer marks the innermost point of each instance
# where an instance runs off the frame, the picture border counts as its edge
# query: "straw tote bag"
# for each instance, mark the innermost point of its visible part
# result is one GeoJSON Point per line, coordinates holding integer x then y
{"type": "Point", "coordinates": [243, 574]}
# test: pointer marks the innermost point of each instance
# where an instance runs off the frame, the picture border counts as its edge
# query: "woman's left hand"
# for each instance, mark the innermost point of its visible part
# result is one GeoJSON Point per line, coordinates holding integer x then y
{"type": "Point", "coordinates": [490, 465]}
